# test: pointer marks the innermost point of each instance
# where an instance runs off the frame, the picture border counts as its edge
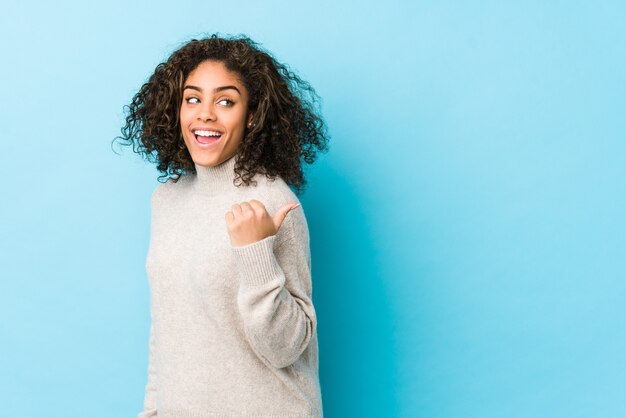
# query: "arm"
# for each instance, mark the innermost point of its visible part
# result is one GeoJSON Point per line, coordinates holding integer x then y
{"type": "Point", "coordinates": [149, 403]}
{"type": "Point", "coordinates": [274, 296]}
{"type": "Point", "coordinates": [150, 397]}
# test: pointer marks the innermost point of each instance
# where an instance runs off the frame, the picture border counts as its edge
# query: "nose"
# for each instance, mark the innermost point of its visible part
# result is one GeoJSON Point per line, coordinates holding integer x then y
{"type": "Point", "coordinates": [206, 112]}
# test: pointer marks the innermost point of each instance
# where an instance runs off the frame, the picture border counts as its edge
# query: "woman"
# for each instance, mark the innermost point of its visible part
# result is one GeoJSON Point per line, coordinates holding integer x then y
{"type": "Point", "coordinates": [233, 327]}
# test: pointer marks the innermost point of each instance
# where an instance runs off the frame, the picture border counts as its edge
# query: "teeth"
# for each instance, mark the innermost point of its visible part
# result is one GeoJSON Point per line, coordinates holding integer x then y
{"type": "Point", "coordinates": [207, 133]}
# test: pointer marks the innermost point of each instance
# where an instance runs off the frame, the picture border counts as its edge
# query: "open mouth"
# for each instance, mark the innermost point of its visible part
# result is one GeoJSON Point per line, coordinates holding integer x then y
{"type": "Point", "coordinates": [207, 137]}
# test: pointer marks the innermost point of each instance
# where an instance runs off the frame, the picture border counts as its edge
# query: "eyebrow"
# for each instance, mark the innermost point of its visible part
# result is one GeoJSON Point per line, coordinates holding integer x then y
{"type": "Point", "coordinates": [215, 90]}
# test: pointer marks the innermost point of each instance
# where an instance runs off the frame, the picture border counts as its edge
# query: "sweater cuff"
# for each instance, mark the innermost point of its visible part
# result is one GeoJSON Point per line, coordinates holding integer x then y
{"type": "Point", "coordinates": [256, 262]}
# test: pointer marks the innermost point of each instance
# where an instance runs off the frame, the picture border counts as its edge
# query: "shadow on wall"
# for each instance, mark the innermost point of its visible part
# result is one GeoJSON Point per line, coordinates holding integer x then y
{"type": "Point", "coordinates": [355, 324]}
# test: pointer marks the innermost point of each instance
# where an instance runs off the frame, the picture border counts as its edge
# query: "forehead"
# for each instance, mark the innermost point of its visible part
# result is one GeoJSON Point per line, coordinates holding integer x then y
{"type": "Point", "coordinates": [212, 74]}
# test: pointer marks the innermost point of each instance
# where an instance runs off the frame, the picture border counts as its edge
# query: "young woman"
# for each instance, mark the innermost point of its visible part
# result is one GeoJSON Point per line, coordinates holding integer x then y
{"type": "Point", "coordinates": [233, 329]}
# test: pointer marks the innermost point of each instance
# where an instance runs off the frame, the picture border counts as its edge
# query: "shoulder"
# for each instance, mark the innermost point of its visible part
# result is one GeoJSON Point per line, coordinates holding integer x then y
{"type": "Point", "coordinates": [167, 189]}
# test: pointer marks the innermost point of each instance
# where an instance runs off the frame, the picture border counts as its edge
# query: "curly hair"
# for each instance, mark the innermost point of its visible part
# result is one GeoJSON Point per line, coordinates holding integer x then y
{"type": "Point", "coordinates": [288, 127]}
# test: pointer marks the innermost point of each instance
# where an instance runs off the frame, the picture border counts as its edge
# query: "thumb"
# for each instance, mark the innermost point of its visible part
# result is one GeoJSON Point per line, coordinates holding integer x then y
{"type": "Point", "coordinates": [280, 215]}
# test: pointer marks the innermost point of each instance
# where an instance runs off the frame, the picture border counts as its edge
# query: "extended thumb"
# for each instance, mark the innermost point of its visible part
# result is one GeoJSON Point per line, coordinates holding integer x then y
{"type": "Point", "coordinates": [279, 216]}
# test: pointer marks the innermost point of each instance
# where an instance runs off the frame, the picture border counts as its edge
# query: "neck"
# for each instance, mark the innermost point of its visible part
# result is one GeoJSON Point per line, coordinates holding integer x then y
{"type": "Point", "coordinates": [216, 179]}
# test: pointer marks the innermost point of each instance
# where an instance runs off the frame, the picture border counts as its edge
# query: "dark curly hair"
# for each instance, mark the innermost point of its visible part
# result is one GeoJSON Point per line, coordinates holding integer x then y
{"type": "Point", "coordinates": [288, 125]}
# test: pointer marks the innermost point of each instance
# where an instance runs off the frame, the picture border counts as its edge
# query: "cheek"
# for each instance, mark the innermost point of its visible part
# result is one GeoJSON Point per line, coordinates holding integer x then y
{"type": "Point", "coordinates": [183, 123]}
{"type": "Point", "coordinates": [183, 114]}
{"type": "Point", "coordinates": [238, 120]}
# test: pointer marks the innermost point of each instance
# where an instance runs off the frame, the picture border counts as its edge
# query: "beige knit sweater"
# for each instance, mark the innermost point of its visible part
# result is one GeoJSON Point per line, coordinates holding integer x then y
{"type": "Point", "coordinates": [233, 329]}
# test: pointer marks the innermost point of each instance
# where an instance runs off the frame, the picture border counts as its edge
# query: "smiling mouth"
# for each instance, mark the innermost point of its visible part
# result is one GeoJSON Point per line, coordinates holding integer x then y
{"type": "Point", "coordinates": [207, 137]}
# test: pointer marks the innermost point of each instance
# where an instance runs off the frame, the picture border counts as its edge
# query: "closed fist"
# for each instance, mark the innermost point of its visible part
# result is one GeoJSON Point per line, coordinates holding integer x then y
{"type": "Point", "coordinates": [249, 222]}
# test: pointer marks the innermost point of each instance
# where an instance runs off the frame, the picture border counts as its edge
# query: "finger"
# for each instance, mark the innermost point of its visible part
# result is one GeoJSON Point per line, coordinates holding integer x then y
{"type": "Point", "coordinates": [246, 207]}
{"type": "Point", "coordinates": [259, 207]}
{"type": "Point", "coordinates": [280, 215]}
{"type": "Point", "coordinates": [229, 217]}
{"type": "Point", "coordinates": [236, 209]}
{"type": "Point", "coordinates": [256, 204]}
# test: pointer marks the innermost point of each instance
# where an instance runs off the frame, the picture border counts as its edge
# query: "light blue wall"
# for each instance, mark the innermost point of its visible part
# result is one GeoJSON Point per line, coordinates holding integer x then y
{"type": "Point", "coordinates": [468, 225]}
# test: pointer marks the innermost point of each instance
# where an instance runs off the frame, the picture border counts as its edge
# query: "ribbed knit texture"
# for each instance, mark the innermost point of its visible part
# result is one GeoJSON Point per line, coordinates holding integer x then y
{"type": "Point", "coordinates": [233, 330]}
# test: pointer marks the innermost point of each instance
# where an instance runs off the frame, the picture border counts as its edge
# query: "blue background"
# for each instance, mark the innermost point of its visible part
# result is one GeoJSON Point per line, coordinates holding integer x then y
{"type": "Point", "coordinates": [468, 225]}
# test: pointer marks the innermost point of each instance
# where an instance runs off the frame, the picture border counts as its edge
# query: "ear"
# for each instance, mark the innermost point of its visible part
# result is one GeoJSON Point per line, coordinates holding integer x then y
{"type": "Point", "coordinates": [250, 123]}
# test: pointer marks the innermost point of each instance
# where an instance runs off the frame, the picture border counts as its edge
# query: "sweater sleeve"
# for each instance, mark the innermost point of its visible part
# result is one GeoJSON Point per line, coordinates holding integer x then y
{"type": "Point", "coordinates": [149, 403]}
{"type": "Point", "coordinates": [275, 297]}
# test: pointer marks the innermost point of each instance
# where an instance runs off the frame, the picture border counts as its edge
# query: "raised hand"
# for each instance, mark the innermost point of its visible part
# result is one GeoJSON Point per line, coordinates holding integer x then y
{"type": "Point", "coordinates": [249, 222]}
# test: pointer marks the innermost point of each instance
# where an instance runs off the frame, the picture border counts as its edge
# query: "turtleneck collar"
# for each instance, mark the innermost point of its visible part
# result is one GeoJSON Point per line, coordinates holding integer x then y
{"type": "Point", "coordinates": [217, 179]}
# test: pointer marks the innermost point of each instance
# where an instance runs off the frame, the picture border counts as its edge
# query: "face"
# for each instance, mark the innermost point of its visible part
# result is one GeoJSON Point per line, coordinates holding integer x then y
{"type": "Point", "coordinates": [213, 113]}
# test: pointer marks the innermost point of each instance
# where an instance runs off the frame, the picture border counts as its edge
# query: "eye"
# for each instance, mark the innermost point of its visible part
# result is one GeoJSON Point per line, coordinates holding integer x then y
{"type": "Point", "coordinates": [226, 102]}
{"type": "Point", "coordinates": [191, 98]}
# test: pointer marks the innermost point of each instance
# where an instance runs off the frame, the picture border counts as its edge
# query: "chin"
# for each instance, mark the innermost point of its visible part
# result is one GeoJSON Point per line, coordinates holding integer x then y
{"type": "Point", "coordinates": [204, 160]}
